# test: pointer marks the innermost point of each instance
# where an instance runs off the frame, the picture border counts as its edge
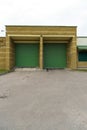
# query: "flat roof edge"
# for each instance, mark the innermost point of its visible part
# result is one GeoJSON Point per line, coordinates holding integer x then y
{"type": "Point", "coordinates": [81, 36]}
{"type": "Point", "coordinates": [2, 37]}
{"type": "Point", "coordinates": [37, 26]}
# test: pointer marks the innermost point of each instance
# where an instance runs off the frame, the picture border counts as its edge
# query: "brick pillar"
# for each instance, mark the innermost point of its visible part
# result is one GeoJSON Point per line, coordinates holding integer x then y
{"type": "Point", "coordinates": [73, 54]}
{"type": "Point", "coordinates": [41, 52]}
{"type": "Point", "coordinates": [8, 53]}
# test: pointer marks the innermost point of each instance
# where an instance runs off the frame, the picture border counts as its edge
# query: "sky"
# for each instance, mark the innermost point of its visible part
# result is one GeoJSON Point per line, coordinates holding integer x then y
{"type": "Point", "coordinates": [44, 12]}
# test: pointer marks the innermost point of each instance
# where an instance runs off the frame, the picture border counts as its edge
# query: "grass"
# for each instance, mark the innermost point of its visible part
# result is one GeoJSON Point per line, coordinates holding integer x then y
{"type": "Point", "coordinates": [85, 70]}
{"type": "Point", "coordinates": [80, 69]}
{"type": "Point", "coordinates": [3, 71]}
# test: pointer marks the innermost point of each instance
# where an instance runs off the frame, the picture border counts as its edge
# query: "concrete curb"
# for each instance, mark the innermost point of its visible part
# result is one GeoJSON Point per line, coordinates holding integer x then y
{"type": "Point", "coordinates": [27, 69]}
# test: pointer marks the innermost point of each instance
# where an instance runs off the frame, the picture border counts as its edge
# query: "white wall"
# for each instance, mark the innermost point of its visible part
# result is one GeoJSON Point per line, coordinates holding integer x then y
{"type": "Point", "coordinates": [2, 31]}
{"type": "Point", "coordinates": [81, 41]}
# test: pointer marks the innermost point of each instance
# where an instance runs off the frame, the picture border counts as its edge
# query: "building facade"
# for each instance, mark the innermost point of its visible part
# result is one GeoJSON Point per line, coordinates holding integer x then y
{"type": "Point", "coordinates": [39, 47]}
{"type": "Point", "coordinates": [82, 51]}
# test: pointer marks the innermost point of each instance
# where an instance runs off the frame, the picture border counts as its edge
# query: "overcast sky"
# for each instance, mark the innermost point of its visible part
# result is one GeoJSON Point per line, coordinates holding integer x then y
{"type": "Point", "coordinates": [44, 12]}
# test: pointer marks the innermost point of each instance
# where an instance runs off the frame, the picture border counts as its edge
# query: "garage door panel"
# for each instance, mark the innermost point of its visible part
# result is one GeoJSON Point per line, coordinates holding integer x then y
{"type": "Point", "coordinates": [27, 55]}
{"type": "Point", "coordinates": [54, 55]}
{"type": "Point", "coordinates": [83, 56]}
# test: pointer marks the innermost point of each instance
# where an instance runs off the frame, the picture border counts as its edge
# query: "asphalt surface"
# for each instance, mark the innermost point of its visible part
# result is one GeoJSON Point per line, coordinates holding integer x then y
{"type": "Point", "coordinates": [40, 100]}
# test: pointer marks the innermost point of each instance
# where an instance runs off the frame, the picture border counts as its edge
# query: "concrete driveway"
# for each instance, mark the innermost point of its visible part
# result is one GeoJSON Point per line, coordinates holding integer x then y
{"type": "Point", "coordinates": [40, 100]}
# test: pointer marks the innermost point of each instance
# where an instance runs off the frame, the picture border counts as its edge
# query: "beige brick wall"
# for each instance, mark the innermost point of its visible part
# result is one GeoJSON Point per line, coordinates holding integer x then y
{"type": "Point", "coordinates": [2, 53]}
{"type": "Point", "coordinates": [10, 53]}
{"type": "Point", "coordinates": [82, 64]}
{"type": "Point", "coordinates": [72, 54]}
{"type": "Point", "coordinates": [61, 31]}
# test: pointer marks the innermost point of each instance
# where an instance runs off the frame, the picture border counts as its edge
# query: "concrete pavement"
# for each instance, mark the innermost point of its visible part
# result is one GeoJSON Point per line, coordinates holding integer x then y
{"type": "Point", "coordinates": [40, 100]}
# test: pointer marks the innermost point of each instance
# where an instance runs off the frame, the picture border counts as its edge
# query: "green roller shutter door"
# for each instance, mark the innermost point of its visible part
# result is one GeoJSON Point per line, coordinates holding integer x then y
{"type": "Point", "coordinates": [54, 55]}
{"type": "Point", "coordinates": [83, 56]}
{"type": "Point", "coordinates": [27, 55]}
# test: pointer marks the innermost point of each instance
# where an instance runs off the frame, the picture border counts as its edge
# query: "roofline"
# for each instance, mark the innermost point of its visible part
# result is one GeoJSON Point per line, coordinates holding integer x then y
{"type": "Point", "coordinates": [37, 26]}
{"type": "Point", "coordinates": [2, 37]}
{"type": "Point", "coordinates": [81, 36]}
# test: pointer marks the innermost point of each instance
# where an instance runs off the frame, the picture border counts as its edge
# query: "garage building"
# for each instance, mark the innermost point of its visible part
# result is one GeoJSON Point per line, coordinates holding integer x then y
{"type": "Point", "coordinates": [39, 47]}
{"type": "Point", "coordinates": [82, 52]}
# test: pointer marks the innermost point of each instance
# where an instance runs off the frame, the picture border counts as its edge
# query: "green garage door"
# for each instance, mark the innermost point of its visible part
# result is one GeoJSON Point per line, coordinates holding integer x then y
{"type": "Point", "coordinates": [83, 56]}
{"type": "Point", "coordinates": [27, 55]}
{"type": "Point", "coordinates": [54, 55]}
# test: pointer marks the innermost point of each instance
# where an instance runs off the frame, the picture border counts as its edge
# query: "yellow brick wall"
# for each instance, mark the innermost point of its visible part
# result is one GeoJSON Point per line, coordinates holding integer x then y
{"type": "Point", "coordinates": [10, 53]}
{"type": "Point", "coordinates": [82, 64]}
{"type": "Point", "coordinates": [72, 54]}
{"type": "Point", "coordinates": [42, 30]}
{"type": "Point", "coordinates": [2, 53]}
